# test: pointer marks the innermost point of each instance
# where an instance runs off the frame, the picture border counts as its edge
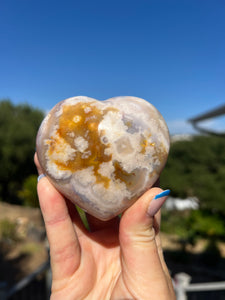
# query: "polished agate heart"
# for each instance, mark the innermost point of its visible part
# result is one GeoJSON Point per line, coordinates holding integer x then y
{"type": "Point", "coordinates": [102, 155]}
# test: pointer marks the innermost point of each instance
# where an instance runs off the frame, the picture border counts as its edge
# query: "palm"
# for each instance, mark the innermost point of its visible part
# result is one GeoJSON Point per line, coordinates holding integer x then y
{"type": "Point", "coordinates": [99, 274]}
{"type": "Point", "coordinates": [99, 271]}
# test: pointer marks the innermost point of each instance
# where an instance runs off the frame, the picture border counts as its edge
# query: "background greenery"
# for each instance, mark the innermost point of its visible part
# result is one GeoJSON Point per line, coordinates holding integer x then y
{"type": "Point", "coordinates": [18, 129]}
{"type": "Point", "coordinates": [197, 168]}
{"type": "Point", "coordinates": [194, 168]}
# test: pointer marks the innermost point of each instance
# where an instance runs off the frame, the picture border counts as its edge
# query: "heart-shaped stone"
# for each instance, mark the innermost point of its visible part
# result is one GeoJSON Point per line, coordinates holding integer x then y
{"type": "Point", "coordinates": [102, 155]}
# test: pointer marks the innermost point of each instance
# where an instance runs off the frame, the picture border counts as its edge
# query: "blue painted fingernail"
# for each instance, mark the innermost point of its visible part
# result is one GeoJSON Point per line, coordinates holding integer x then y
{"type": "Point", "coordinates": [40, 176]}
{"type": "Point", "coordinates": [162, 194]}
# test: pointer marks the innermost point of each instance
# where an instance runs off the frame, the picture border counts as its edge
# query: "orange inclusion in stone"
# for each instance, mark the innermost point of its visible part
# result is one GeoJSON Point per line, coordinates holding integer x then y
{"type": "Point", "coordinates": [82, 120]}
{"type": "Point", "coordinates": [122, 175]}
{"type": "Point", "coordinates": [75, 122]}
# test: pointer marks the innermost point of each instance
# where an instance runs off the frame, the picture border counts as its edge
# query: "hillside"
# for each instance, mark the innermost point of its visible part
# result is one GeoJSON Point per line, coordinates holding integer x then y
{"type": "Point", "coordinates": [22, 243]}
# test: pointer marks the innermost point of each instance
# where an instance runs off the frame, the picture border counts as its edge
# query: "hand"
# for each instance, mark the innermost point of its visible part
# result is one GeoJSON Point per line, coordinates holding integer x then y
{"type": "Point", "coordinates": [116, 259]}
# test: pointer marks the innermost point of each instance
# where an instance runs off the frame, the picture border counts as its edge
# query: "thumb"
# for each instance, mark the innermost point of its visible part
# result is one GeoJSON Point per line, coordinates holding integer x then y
{"type": "Point", "coordinates": [141, 260]}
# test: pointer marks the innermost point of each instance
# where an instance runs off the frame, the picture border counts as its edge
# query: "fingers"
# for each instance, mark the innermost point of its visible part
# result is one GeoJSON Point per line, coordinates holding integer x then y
{"type": "Point", "coordinates": [63, 241]}
{"type": "Point", "coordinates": [141, 260]}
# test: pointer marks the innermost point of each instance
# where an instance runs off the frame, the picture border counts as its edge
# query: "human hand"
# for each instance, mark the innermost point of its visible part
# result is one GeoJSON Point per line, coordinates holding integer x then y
{"type": "Point", "coordinates": [117, 259]}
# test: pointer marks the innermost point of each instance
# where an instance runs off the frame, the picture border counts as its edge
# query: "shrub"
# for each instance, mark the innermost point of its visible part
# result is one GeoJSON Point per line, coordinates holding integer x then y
{"type": "Point", "coordinates": [28, 193]}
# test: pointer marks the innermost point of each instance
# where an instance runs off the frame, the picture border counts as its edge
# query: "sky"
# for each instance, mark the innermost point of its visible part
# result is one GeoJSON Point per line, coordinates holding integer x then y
{"type": "Point", "coordinates": [169, 52]}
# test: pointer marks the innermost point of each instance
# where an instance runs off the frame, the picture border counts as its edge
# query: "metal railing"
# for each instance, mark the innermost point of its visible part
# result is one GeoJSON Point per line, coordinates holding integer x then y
{"type": "Point", "coordinates": [184, 288]}
{"type": "Point", "coordinates": [30, 287]}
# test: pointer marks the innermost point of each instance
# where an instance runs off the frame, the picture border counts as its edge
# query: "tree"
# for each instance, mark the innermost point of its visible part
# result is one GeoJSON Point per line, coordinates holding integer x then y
{"type": "Point", "coordinates": [197, 168]}
{"type": "Point", "coordinates": [18, 129]}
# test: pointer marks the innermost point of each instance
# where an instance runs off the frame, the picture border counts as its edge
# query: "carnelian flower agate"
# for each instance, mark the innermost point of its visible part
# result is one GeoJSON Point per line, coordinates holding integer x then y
{"type": "Point", "coordinates": [102, 155]}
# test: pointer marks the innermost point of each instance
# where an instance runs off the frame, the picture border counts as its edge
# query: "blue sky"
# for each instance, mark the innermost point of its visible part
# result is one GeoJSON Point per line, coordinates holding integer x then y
{"type": "Point", "coordinates": [169, 52]}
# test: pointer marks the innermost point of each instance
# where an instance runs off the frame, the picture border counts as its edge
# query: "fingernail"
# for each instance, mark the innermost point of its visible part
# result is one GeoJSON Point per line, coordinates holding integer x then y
{"type": "Point", "coordinates": [163, 194]}
{"type": "Point", "coordinates": [40, 176]}
{"type": "Point", "coordinates": [157, 203]}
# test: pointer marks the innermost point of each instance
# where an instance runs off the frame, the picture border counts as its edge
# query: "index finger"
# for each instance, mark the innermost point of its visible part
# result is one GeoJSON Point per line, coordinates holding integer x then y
{"type": "Point", "coordinates": [63, 241]}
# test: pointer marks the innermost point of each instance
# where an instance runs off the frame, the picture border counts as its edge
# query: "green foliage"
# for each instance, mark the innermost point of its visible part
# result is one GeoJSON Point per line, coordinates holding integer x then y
{"type": "Point", "coordinates": [30, 248]}
{"type": "Point", "coordinates": [18, 129]}
{"type": "Point", "coordinates": [193, 224]}
{"type": "Point", "coordinates": [197, 168]}
{"type": "Point", "coordinates": [8, 230]}
{"type": "Point", "coordinates": [83, 217]}
{"type": "Point", "coordinates": [207, 225]}
{"type": "Point", "coordinates": [178, 223]}
{"type": "Point", "coordinates": [28, 193]}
